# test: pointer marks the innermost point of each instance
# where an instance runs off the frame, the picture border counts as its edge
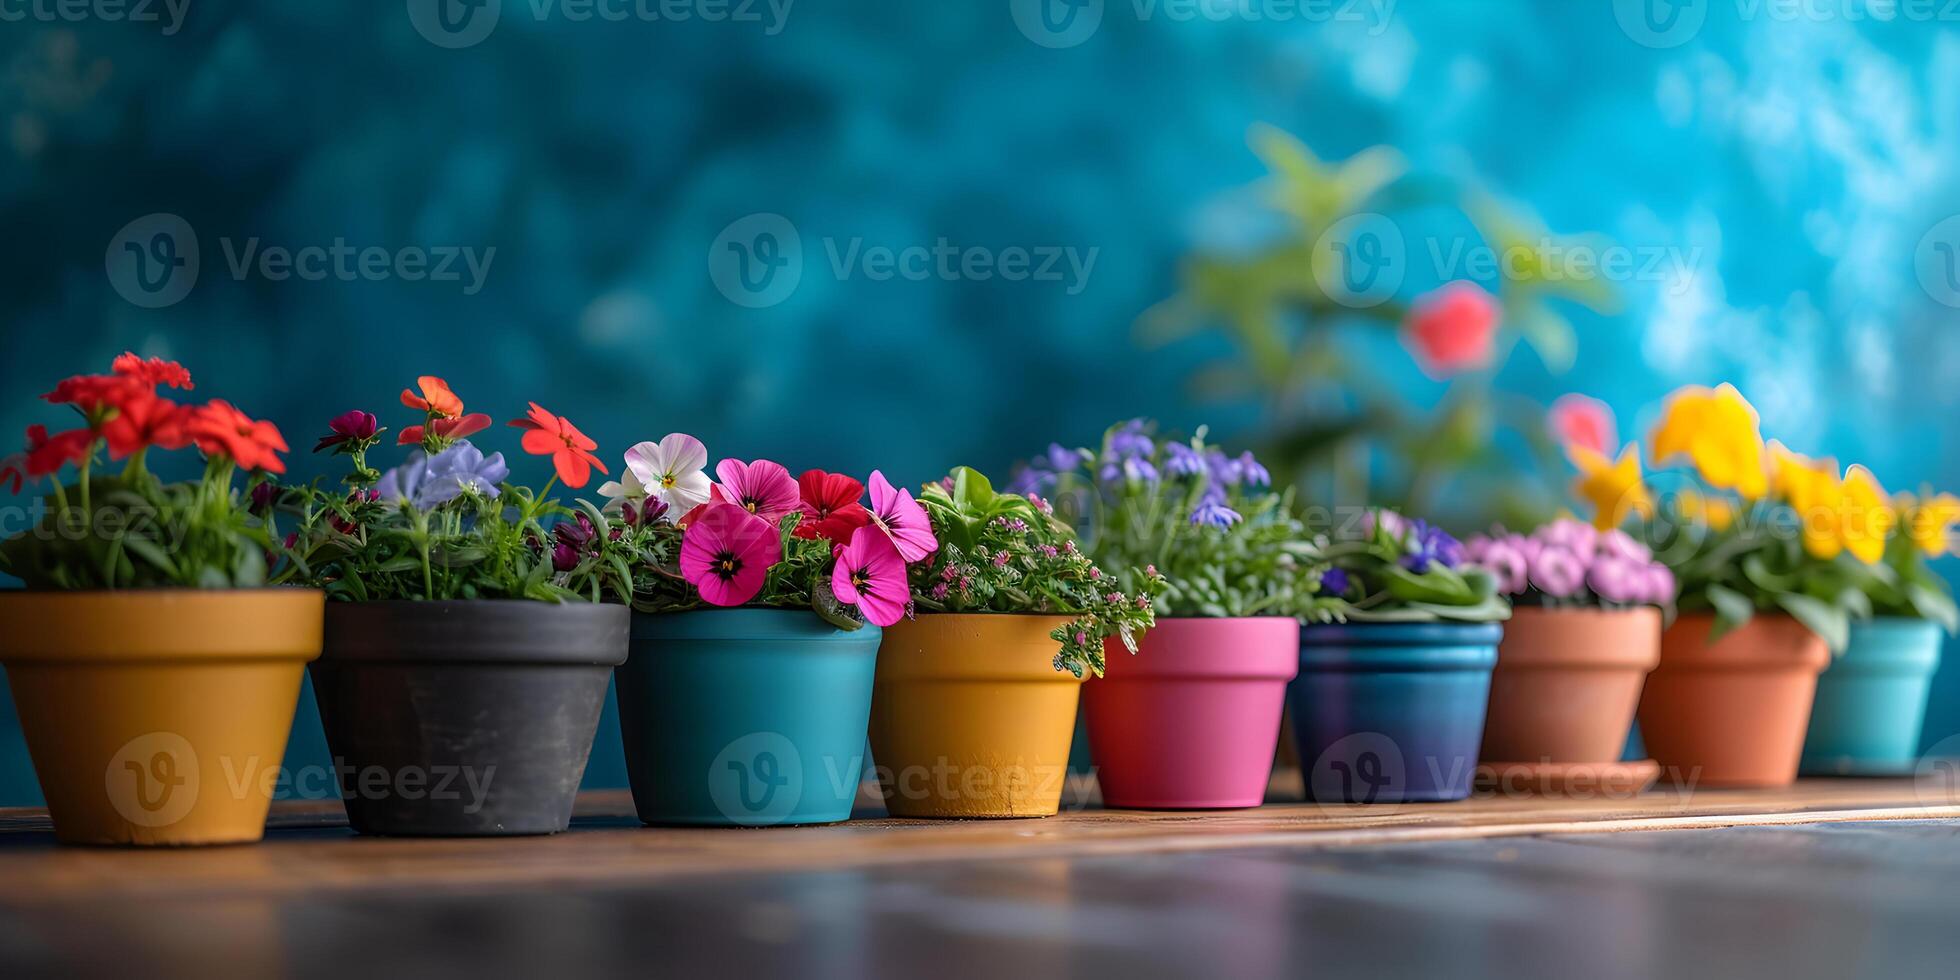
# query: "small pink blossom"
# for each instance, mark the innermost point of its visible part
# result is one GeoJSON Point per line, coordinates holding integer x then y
{"type": "Point", "coordinates": [1577, 420]}
{"type": "Point", "coordinates": [726, 553]}
{"type": "Point", "coordinates": [1557, 572]}
{"type": "Point", "coordinates": [871, 576]}
{"type": "Point", "coordinates": [1453, 329]}
{"type": "Point", "coordinates": [894, 512]}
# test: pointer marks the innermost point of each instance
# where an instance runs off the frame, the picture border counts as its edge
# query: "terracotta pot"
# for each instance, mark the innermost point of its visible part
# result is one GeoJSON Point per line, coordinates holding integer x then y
{"type": "Point", "coordinates": [1732, 713]}
{"type": "Point", "coordinates": [970, 718]}
{"type": "Point", "coordinates": [1567, 682]}
{"type": "Point", "coordinates": [465, 718]}
{"type": "Point", "coordinates": [158, 717]}
{"type": "Point", "coordinates": [1190, 721]}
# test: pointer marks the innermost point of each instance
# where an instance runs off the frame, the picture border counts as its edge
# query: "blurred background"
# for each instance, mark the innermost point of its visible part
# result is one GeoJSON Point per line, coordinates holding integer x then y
{"type": "Point", "coordinates": [855, 234]}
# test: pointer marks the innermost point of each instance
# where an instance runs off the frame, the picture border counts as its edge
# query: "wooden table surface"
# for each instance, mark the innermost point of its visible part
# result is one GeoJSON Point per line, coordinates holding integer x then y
{"type": "Point", "coordinates": [1519, 886]}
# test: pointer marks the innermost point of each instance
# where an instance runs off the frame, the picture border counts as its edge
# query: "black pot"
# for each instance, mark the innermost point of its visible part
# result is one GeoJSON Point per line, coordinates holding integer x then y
{"type": "Point", "coordinates": [464, 718]}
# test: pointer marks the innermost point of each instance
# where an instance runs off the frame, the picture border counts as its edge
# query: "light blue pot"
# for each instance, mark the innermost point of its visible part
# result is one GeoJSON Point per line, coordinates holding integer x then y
{"type": "Point", "coordinates": [745, 717]}
{"type": "Point", "coordinates": [1871, 701]}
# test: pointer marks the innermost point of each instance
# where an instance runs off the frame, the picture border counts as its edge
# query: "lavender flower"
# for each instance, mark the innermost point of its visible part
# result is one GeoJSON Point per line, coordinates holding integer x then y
{"type": "Point", "coordinates": [426, 482]}
{"type": "Point", "coordinates": [1135, 469]}
{"type": "Point", "coordinates": [1129, 441]}
{"type": "Point", "coordinates": [1224, 469]}
{"type": "Point", "coordinates": [1334, 582]}
{"type": "Point", "coordinates": [1185, 461]}
{"type": "Point", "coordinates": [1577, 537]}
{"type": "Point", "coordinates": [1618, 580]}
{"type": "Point", "coordinates": [1557, 572]}
{"type": "Point", "coordinates": [1427, 545]}
{"type": "Point", "coordinates": [1507, 559]}
{"type": "Point", "coordinates": [1619, 544]}
{"type": "Point", "coordinates": [1062, 459]}
{"type": "Point", "coordinates": [1255, 474]}
{"type": "Point", "coordinates": [1214, 514]}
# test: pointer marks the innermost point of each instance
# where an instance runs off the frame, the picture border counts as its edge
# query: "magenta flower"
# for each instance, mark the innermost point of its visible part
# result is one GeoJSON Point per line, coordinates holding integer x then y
{"type": "Point", "coordinates": [1577, 537]}
{"type": "Point", "coordinates": [1507, 561]}
{"type": "Point", "coordinates": [354, 426]}
{"type": "Point", "coordinates": [762, 488]}
{"type": "Point", "coordinates": [894, 512]}
{"type": "Point", "coordinates": [726, 552]}
{"type": "Point", "coordinates": [1618, 580]}
{"type": "Point", "coordinates": [1619, 544]}
{"type": "Point", "coordinates": [1660, 584]}
{"type": "Point", "coordinates": [870, 575]}
{"type": "Point", "coordinates": [1557, 572]}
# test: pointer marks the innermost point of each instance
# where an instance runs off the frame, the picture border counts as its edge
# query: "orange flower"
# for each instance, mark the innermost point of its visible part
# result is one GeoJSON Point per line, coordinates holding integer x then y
{"type": "Point", "coordinates": [555, 436]}
{"type": "Point", "coordinates": [221, 430]}
{"type": "Point", "coordinates": [436, 398]}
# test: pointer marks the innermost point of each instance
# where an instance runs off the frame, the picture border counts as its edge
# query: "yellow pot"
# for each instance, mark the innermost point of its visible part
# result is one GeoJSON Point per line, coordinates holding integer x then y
{"type": "Point", "coordinates": [970, 718]}
{"type": "Point", "coordinates": [158, 717]}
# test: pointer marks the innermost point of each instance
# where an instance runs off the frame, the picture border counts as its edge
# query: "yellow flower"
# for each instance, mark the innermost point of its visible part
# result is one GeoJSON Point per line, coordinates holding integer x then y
{"type": "Point", "coordinates": [1813, 490]}
{"type": "Point", "coordinates": [1614, 488]}
{"type": "Point", "coordinates": [1716, 512]}
{"type": "Point", "coordinates": [1867, 516]}
{"type": "Point", "coordinates": [1717, 430]}
{"type": "Point", "coordinates": [1929, 522]}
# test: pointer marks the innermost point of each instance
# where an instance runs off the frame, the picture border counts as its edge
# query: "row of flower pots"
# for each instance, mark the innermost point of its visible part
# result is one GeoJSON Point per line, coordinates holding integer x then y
{"type": "Point", "coordinates": [462, 628]}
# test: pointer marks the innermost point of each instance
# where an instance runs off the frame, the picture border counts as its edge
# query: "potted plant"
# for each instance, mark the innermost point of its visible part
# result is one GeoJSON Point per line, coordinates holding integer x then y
{"type": "Point", "coordinates": [1585, 629]}
{"type": "Point", "coordinates": [1871, 701]}
{"type": "Point", "coordinates": [975, 701]}
{"type": "Point", "coordinates": [154, 671]}
{"type": "Point", "coordinates": [1191, 720]}
{"type": "Point", "coordinates": [758, 605]}
{"type": "Point", "coordinates": [1389, 703]}
{"type": "Point", "coordinates": [467, 651]}
{"type": "Point", "coordinates": [1753, 534]}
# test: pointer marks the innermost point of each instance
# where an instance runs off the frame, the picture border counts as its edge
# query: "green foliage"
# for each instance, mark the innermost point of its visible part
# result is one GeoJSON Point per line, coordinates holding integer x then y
{"type": "Point", "coordinates": [131, 531]}
{"type": "Point", "coordinates": [1901, 586]}
{"type": "Point", "coordinates": [1397, 571]}
{"type": "Point", "coordinates": [1758, 564]}
{"type": "Point", "coordinates": [1003, 553]}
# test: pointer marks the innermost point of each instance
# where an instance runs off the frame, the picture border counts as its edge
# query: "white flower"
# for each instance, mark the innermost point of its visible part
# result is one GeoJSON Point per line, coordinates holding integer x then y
{"type": "Point", "coordinates": [671, 471]}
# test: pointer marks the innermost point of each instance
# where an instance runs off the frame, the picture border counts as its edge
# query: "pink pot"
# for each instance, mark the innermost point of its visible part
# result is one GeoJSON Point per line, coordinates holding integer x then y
{"type": "Point", "coordinates": [1191, 720]}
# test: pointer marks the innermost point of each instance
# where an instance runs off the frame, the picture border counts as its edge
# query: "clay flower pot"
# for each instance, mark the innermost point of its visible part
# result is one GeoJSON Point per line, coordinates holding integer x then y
{"type": "Point", "coordinates": [970, 718]}
{"type": "Point", "coordinates": [1567, 682]}
{"type": "Point", "coordinates": [1871, 701]}
{"type": "Point", "coordinates": [745, 717]}
{"type": "Point", "coordinates": [464, 718]}
{"type": "Point", "coordinates": [1391, 712]}
{"type": "Point", "coordinates": [1732, 713]}
{"type": "Point", "coordinates": [158, 717]}
{"type": "Point", "coordinates": [1191, 720]}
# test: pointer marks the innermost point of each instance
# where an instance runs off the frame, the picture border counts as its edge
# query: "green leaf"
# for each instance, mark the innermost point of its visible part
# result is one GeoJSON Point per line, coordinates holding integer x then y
{"type": "Point", "coordinates": [1733, 610]}
{"type": "Point", "coordinates": [973, 493]}
{"type": "Point", "coordinates": [1818, 616]}
{"type": "Point", "coordinates": [147, 550]}
{"type": "Point", "coordinates": [1934, 605]}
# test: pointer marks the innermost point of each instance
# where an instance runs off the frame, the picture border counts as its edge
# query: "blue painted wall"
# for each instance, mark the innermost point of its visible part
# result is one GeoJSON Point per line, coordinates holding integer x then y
{"type": "Point", "coordinates": [1799, 164]}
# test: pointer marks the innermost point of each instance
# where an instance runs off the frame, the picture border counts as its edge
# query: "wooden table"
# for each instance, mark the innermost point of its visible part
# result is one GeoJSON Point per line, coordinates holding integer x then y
{"type": "Point", "coordinates": [1476, 886]}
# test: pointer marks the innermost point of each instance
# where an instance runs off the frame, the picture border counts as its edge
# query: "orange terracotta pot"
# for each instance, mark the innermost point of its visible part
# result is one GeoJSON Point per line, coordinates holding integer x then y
{"type": "Point", "coordinates": [970, 718]}
{"type": "Point", "coordinates": [1732, 713]}
{"type": "Point", "coordinates": [158, 717]}
{"type": "Point", "coordinates": [1566, 683]}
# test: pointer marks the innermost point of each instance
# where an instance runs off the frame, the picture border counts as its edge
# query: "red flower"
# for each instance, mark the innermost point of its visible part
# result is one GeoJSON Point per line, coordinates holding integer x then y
{"type": "Point", "coordinates": [144, 420]}
{"type": "Point", "coordinates": [350, 426]}
{"type": "Point", "coordinates": [1453, 329]}
{"type": "Point", "coordinates": [555, 436]}
{"type": "Point", "coordinates": [445, 428]}
{"type": "Point", "coordinates": [152, 372]}
{"type": "Point", "coordinates": [46, 454]}
{"type": "Point", "coordinates": [831, 507]}
{"type": "Point", "coordinates": [220, 429]}
{"type": "Point", "coordinates": [13, 469]}
{"type": "Point", "coordinates": [436, 398]}
{"type": "Point", "coordinates": [92, 393]}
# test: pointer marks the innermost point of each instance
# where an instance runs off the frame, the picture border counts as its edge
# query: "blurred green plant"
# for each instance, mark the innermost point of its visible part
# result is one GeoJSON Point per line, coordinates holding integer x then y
{"type": "Point", "coordinates": [1335, 425]}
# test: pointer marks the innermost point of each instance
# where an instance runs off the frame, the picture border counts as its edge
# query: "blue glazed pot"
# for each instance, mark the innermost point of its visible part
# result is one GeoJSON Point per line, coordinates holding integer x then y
{"type": "Point", "coordinates": [745, 717]}
{"type": "Point", "coordinates": [1391, 712]}
{"type": "Point", "coordinates": [1871, 701]}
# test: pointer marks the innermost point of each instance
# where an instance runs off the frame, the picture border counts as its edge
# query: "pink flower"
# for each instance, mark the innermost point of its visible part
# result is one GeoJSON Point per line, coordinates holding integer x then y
{"type": "Point", "coordinates": [1557, 572]}
{"type": "Point", "coordinates": [1618, 580]}
{"type": "Point", "coordinates": [871, 576]}
{"type": "Point", "coordinates": [1506, 560]}
{"type": "Point", "coordinates": [1660, 584]}
{"type": "Point", "coordinates": [1577, 420]}
{"type": "Point", "coordinates": [762, 488]}
{"type": "Point", "coordinates": [894, 512]}
{"type": "Point", "coordinates": [1619, 544]}
{"type": "Point", "coordinates": [726, 553]}
{"type": "Point", "coordinates": [1577, 537]}
{"type": "Point", "coordinates": [1453, 329]}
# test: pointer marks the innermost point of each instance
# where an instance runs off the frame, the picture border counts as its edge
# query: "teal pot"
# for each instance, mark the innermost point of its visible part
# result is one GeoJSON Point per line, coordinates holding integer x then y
{"type": "Point", "coordinates": [1391, 712]}
{"type": "Point", "coordinates": [1871, 701]}
{"type": "Point", "coordinates": [745, 717]}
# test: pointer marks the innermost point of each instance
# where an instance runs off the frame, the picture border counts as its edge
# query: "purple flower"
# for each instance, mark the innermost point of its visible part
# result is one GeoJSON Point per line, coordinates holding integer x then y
{"type": "Point", "coordinates": [1619, 544]}
{"type": "Point", "coordinates": [1577, 537]}
{"type": "Point", "coordinates": [1134, 469]}
{"type": "Point", "coordinates": [1427, 545]}
{"type": "Point", "coordinates": [1224, 469]}
{"type": "Point", "coordinates": [1618, 580]}
{"type": "Point", "coordinates": [1506, 560]}
{"type": "Point", "coordinates": [1031, 480]}
{"type": "Point", "coordinates": [1062, 459]}
{"type": "Point", "coordinates": [354, 426]}
{"type": "Point", "coordinates": [569, 541]}
{"type": "Point", "coordinates": [427, 482]}
{"type": "Point", "coordinates": [1185, 461]}
{"type": "Point", "coordinates": [1660, 584]}
{"type": "Point", "coordinates": [1334, 582]}
{"type": "Point", "coordinates": [264, 495]}
{"type": "Point", "coordinates": [1129, 441]}
{"type": "Point", "coordinates": [1213, 514]}
{"type": "Point", "coordinates": [1255, 474]}
{"type": "Point", "coordinates": [1557, 572]}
